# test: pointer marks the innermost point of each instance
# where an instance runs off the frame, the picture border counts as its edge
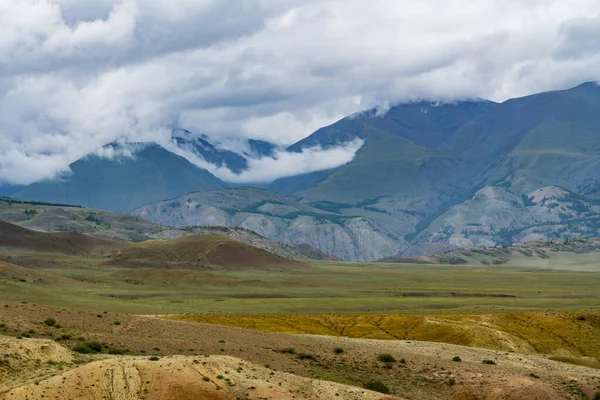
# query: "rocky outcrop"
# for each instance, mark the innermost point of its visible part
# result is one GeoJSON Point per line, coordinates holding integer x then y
{"type": "Point", "coordinates": [353, 238]}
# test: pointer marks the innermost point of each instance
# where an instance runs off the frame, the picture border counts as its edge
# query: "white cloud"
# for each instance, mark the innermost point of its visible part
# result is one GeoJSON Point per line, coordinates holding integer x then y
{"type": "Point", "coordinates": [282, 164]}
{"type": "Point", "coordinates": [76, 75]}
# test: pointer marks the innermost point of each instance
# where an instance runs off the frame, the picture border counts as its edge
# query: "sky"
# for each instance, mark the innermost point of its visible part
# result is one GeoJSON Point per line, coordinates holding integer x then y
{"type": "Point", "coordinates": [78, 74]}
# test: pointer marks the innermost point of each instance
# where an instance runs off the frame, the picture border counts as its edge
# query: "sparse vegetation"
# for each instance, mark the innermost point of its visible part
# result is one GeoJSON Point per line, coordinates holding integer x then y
{"type": "Point", "coordinates": [489, 362]}
{"type": "Point", "coordinates": [377, 386]}
{"type": "Point", "coordinates": [306, 356]}
{"type": "Point", "coordinates": [88, 348]}
{"type": "Point", "coordinates": [452, 381]}
{"type": "Point", "coordinates": [386, 358]}
{"type": "Point", "coordinates": [288, 350]}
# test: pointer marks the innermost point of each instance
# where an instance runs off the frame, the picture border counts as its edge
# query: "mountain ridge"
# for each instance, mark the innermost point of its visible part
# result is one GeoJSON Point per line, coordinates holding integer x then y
{"type": "Point", "coordinates": [408, 189]}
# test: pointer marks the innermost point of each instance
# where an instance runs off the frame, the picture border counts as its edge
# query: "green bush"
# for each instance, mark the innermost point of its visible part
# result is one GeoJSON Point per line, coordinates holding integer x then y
{"type": "Point", "coordinates": [338, 350]}
{"type": "Point", "coordinates": [489, 362]}
{"type": "Point", "coordinates": [386, 358]}
{"type": "Point", "coordinates": [306, 356]}
{"type": "Point", "coordinates": [115, 351]}
{"type": "Point", "coordinates": [456, 359]}
{"type": "Point", "coordinates": [88, 348]}
{"type": "Point", "coordinates": [153, 358]}
{"type": "Point", "coordinates": [50, 321]}
{"type": "Point", "coordinates": [451, 381]}
{"type": "Point", "coordinates": [83, 349]}
{"type": "Point", "coordinates": [377, 386]}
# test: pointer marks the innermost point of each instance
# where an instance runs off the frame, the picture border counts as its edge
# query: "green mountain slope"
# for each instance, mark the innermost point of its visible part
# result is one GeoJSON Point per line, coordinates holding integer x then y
{"type": "Point", "coordinates": [123, 183]}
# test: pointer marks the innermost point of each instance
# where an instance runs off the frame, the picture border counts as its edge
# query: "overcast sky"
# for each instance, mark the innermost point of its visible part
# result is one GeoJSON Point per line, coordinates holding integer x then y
{"type": "Point", "coordinates": [77, 74]}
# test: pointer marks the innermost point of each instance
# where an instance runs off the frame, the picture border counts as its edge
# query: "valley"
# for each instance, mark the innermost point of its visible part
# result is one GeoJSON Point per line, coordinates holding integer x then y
{"type": "Point", "coordinates": [225, 319]}
{"type": "Point", "coordinates": [299, 200]}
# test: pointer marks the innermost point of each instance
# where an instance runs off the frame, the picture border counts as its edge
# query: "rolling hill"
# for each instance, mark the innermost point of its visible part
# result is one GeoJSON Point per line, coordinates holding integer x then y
{"type": "Point", "coordinates": [127, 228]}
{"type": "Point", "coordinates": [16, 237]}
{"type": "Point", "coordinates": [193, 251]}
{"type": "Point", "coordinates": [198, 251]}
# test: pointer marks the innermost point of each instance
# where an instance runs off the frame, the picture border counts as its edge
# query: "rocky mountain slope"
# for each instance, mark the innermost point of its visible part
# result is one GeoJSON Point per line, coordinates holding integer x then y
{"type": "Point", "coordinates": [278, 218]}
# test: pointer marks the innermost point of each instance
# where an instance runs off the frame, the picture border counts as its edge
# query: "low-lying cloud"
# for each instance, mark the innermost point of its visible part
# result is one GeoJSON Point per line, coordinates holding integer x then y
{"type": "Point", "coordinates": [282, 164]}
{"type": "Point", "coordinates": [77, 75]}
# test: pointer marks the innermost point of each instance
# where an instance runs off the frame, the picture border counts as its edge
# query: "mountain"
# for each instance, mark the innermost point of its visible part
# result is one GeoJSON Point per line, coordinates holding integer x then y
{"type": "Point", "coordinates": [215, 154]}
{"type": "Point", "coordinates": [282, 219]}
{"type": "Point", "coordinates": [430, 176]}
{"type": "Point", "coordinates": [207, 151]}
{"type": "Point", "coordinates": [124, 182]}
{"type": "Point", "coordinates": [261, 148]}
{"type": "Point", "coordinates": [436, 176]}
{"type": "Point", "coordinates": [8, 190]}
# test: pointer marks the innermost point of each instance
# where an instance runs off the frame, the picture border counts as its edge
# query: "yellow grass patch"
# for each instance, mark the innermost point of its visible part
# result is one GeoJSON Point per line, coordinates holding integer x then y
{"type": "Point", "coordinates": [558, 333]}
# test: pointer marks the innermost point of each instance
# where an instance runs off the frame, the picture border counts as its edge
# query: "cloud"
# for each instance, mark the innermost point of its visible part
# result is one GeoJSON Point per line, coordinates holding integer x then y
{"type": "Point", "coordinates": [282, 164]}
{"type": "Point", "coordinates": [76, 75]}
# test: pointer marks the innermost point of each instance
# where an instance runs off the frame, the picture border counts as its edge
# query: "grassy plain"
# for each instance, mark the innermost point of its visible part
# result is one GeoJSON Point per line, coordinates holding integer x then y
{"type": "Point", "coordinates": [159, 300]}
{"type": "Point", "coordinates": [316, 288]}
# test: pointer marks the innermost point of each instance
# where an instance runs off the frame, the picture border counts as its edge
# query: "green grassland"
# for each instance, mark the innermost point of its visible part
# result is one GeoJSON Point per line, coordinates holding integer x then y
{"type": "Point", "coordinates": [85, 281]}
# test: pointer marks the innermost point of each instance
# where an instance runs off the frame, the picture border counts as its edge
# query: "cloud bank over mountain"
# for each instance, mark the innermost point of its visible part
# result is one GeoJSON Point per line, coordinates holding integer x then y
{"type": "Point", "coordinates": [75, 75]}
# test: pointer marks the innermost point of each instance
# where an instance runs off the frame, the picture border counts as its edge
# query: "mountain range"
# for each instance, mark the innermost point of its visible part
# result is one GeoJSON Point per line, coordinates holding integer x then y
{"type": "Point", "coordinates": [431, 177]}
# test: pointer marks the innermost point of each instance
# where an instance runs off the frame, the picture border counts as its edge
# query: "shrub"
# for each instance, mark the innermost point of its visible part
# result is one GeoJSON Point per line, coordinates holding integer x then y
{"type": "Point", "coordinates": [377, 386]}
{"type": "Point", "coordinates": [115, 351]}
{"type": "Point", "coordinates": [50, 321]}
{"type": "Point", "coordinates": [153, 358]}
{"type": "Point", "coordinates": [88, 348]}
{"type": "Point", "coordinates": [451, 381]}
{"type": "Point", "coordinates": [97, 347]}
{"type": "Point", "coordinates": [306, 356]}
{"type": "Point", "coordinates": [117, 323]}
{"type": "Point", "coordinates": [456, 359]}
{"type": "Point", "coordinates": [489, 362]}
{"type": "Point", "coordinates": [338, 350]}
{"type": "Point", "coordinates": [597, 396]}
{"type": "Point", "coordinates": [206, 379]}
{"type": "Point", "coordinates": [386, 358]}
{"type": "Point", "coordinates": [581, 318]}
{"type": "Point", "coordinates": [83, 349]}
{"type": "Point", "coordinates": [289, 350]}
